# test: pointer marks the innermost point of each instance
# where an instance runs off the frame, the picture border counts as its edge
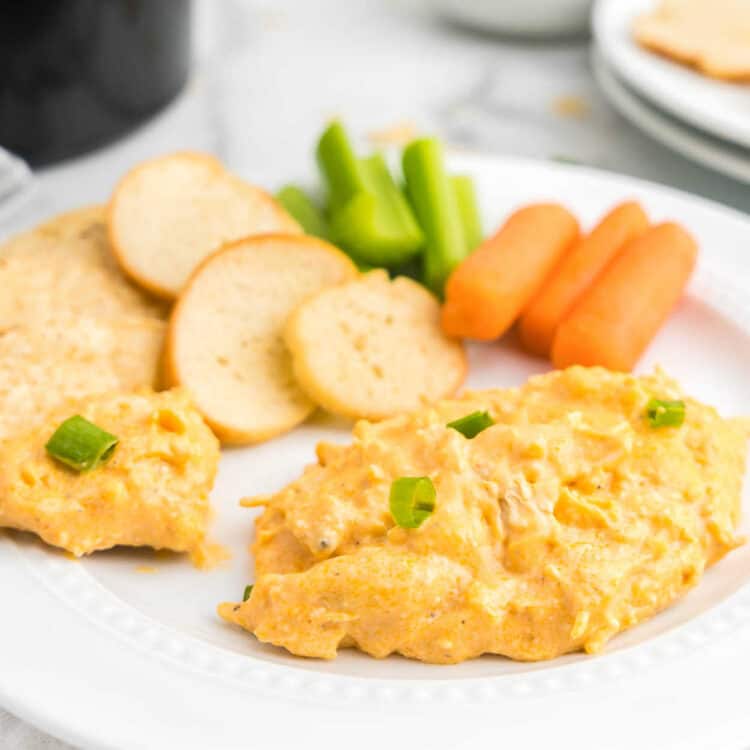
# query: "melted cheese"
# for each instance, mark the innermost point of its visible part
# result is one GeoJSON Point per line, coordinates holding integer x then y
{"type": "Point", "coordinates": [566, 522]}
{"type": "Point", "coordinates": [153, 492]}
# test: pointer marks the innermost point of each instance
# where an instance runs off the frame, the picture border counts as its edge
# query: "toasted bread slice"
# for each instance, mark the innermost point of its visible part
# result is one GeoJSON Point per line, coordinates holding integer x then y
{"type": "Point", "coordinates": [65, 266]}
{"type": "Point", "coordinates": [224, 341]}
{"type": "Point", "coordinates": [170, 213]}
{"type": "Point", "coordinates": [70, 358]}
{"type": "Point", "coordinates": [373, 348]}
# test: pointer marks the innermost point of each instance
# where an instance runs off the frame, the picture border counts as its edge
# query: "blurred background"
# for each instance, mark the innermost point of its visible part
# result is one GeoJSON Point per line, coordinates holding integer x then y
{"type": "Point", "coordinates": [254, 81]}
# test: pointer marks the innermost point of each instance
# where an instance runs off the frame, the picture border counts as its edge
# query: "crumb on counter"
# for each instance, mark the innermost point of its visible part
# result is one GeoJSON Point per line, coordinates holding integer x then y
{"type": "Point", "coordinates": [146, 569]}
{"type": "Point", "coordinates": [397, 134]}
{"type": "Point", "coordinates": [571, 106]}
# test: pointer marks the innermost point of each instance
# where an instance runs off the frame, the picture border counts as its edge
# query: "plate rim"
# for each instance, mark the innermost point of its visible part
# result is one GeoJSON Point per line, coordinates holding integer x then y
{"type": "Point", "coordinates": [683, 139]}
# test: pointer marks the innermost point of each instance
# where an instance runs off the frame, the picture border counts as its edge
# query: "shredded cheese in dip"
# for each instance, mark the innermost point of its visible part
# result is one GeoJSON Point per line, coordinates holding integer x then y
{"type": "Point", "coordinates": [569, 520]}
{"type": "Point", "coordinates": [152, 492]}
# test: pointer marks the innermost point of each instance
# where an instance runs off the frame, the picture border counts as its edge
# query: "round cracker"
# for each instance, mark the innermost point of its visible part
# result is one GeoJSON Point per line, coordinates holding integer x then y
{"type": "Point", "coordinates": [224, 341]}
{"type": "Point", "coordinates": [42, 367]}
{"type": "Point", "coordinates": [384, 349]}
{"type": "Point", "coordinates": [170, 213]}
{"type": "Point", "coordinates": [65, 266]}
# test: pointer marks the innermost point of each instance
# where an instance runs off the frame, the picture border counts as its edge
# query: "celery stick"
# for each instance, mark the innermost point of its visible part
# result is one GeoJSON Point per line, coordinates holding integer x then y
{"type": "Point", "coordinates": [339, 165]}
{"type": "Point", "coordinates": [398, 232]}
{"type": "Point", "coordinates": [307, 214]}
{"type": "Point", "coordinates": [369, 216]}
{"type": "Point", "coordinates": [411, 269]}
{"type": "Point", "coordinates": [435, 204]}
{"type": "Point", "coordinates": [371, 235]}
{"type": "Point", "coordinates": [463, 187]}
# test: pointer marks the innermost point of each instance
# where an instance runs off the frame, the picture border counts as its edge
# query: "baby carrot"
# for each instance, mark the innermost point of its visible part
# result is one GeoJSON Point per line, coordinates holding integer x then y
{"type": "Point", "coordinates": [576, 272]}
{"type": "Point", "coordinates": [487, 292]}
{"type": "Point", "coordinates": [614, 321]}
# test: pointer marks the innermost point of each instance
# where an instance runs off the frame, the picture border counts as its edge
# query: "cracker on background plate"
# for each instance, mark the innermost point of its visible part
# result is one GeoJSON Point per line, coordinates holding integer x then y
{"type": "Point", "coordinates": [44, 366]}
{"type": "Point", "coordinates": [711, 35]}
{"type": "Point", "coordinates": [65, 266]}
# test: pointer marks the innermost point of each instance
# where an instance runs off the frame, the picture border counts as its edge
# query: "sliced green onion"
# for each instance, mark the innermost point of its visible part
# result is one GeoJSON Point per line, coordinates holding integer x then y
{"type": "Point", "coordinates": [247, 592]}
{"type": "Point", "coordinates": [665, 413]}
{"type": "Point", "coordinates": [434, 201]}
{"type": "Point", "coordinates": [301, 207]}
{"type": "Point", "coordinates": [412, 501]}
{"type": "Point", "coordinates": [472, 424]}
{"type": "Point", "coordinates": [466, 199]}
{"type": "Point", "coordinates": [80, 444]}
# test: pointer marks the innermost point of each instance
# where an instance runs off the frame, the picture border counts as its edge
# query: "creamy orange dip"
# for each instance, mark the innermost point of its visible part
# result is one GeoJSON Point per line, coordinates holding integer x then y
{"type": "Point", "coordinates": [566, 522]}
{"type": "Point", "coordinates": [153, 491]}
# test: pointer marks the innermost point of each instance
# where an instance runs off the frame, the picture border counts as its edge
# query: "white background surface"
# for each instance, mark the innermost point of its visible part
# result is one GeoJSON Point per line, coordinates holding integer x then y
{"type": "Point", "coordinates": [268, 74]}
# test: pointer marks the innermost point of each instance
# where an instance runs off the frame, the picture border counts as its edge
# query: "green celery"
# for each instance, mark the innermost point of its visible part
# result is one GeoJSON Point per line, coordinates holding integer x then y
{"type": "Point", "coordinates": [339, 165]}
{"type": "Point", "coordinates": [434, 200]}
{"type": "Point", "coordinates": [411, 269]}
{"type": "Point", "coordinates": [301, 207]}
{"type": "Point", "coordinates": [363, 267]}
{"type": "Point", "coordinates": [369, 216]}
{"type": "Point", "coordinates": [466, 198]}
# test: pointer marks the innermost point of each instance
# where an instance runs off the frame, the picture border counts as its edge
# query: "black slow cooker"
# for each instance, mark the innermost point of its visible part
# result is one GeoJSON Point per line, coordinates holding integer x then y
{"type": "Point", "coordinates": [75, 74]}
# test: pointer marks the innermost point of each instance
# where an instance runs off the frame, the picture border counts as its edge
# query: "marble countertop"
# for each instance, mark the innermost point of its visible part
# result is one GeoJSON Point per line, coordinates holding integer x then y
{"type": "Point", "coordinates": [269, 73]}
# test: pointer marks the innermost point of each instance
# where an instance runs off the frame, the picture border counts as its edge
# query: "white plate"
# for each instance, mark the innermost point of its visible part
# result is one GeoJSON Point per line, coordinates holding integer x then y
{"type": "Point", "coordinates": [529, 18]}
{"type": "Point", "coordinates": [103, 656]}
{"type": "Point", "coordinates": [696, 145]}
{"type": "Point", "coordinates": [720, 108]}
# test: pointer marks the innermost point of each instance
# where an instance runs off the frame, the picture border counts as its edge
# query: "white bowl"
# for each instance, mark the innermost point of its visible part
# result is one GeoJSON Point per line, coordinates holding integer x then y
{"type": "Point", "coordinates": [522, 17]}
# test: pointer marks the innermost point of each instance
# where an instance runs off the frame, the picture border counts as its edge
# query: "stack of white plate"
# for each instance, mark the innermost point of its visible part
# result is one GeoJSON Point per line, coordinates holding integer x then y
{"type": "Point", "coordinates": [702, 118]}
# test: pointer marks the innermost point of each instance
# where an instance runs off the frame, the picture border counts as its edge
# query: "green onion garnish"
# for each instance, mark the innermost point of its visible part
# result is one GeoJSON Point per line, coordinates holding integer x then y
{"type": "Point", "coordinates": [248, 591]}
{"type": "Point", "coordinates": [665, 413]}
{"type": "Point", "coordinates": [472, 424]}
{"type": "Point", "coordinates": [80, 444]}
{"type": "Point", "coordinates": [412, 501]}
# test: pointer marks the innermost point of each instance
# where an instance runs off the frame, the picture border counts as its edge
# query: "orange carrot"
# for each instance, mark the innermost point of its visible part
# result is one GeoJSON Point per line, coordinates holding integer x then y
{"type": "Point", "coordinates": [576, 272]}
{"type": "Point", "coordinates": [614, 321]}
{"type": "Point", "coordinates": [488, 290]}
